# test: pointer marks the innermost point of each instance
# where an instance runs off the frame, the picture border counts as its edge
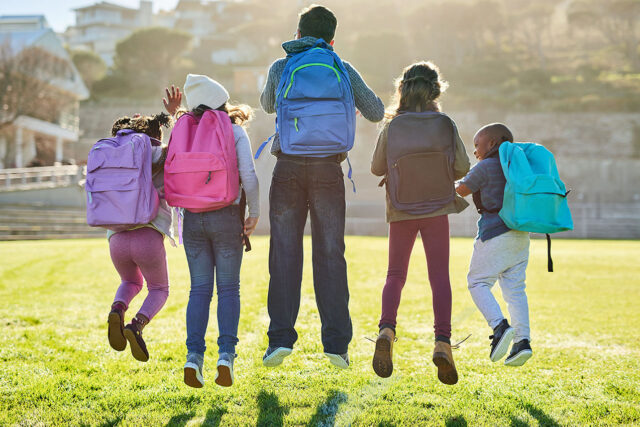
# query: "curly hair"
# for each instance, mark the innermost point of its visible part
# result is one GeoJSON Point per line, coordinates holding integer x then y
{"type": "Point", "coordinates": [150, 125]}
{"type": "Point", "coordinates": [417, 89]}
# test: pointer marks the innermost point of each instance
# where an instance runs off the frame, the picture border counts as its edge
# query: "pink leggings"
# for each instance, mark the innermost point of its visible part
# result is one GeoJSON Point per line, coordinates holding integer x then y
{"type": "Point", "coordinates": [435, 239]}
{"type": "Point", "coordinates": [136, 254]}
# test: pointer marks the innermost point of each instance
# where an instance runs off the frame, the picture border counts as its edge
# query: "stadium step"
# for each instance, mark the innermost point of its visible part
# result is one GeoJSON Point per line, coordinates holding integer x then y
{"type": "Point", "coordinates": [35, 221]}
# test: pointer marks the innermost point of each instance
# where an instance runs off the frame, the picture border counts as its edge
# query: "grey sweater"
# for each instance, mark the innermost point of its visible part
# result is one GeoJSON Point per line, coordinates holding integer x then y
{"type": "Point", "coordinates": [366, 100]}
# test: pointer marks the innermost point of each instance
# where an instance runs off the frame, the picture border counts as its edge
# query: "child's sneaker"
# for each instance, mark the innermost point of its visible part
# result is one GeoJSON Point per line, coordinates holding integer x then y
{"type": "Point", "coordinates": [275, 355]}
{"type": "Point", "coordinates": [339, 360]}
{"type": "Point", "coordinates": [520, 353]}
{"type": "Point", "coordinates": [115, 330]}
{"type": "Point", "coordinates": [443, 359]}
{"type": "Point", "coordinates": [224, 377]}
{"type": "Point", "coordinates": [500, 340]}
{"type": "Point", "coordinates": [383, 355]}
{"type": "Point", "coordinates": [193, 376]}
{"type": "Point", "coordinates": [133, 334]}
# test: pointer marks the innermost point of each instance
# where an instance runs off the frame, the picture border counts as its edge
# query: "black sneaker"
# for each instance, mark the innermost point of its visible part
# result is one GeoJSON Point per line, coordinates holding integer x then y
{"type": "Point", "coordinates": [520, 353]}
{"type": "Point", "coordinates": [500, 340]}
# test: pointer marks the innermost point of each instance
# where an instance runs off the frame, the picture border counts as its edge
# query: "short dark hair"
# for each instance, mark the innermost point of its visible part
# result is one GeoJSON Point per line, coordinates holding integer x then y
{"type": "Point", "coordinates": [319, 22]}
{"type": "Point", "coordinates": [497, 131]}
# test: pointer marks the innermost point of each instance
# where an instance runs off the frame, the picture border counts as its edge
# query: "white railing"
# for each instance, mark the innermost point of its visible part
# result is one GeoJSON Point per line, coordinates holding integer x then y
{"type": "Point", "coordinates": [40, 177]}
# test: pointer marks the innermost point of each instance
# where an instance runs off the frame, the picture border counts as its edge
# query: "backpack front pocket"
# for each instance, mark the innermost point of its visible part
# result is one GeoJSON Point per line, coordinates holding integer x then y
{"type": "Point", "coordinates": [113, 199]}
{"type": "Point", "coordinates": [422, 177]}
{"type": "Point", "coordinates": [314, 125]}
{"type": "Point", "coordinates": [191, 177]}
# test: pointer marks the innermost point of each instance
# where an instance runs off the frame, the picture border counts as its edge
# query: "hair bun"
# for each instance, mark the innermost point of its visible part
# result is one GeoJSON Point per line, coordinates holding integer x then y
{"type": "Point", "coordinates": [163, 119]}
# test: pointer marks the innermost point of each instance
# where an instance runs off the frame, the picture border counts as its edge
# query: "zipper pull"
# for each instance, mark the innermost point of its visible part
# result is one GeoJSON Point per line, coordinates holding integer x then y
{"type": "Point", "coordinates": [208, 178]}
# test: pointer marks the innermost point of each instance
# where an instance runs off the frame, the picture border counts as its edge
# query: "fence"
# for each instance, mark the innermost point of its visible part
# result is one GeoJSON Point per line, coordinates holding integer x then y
{"type": "Point", "coordinates": [19, 179]}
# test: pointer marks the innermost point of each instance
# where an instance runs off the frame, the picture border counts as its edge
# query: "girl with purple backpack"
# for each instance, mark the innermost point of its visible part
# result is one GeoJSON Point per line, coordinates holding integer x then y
{"type": "Point", "coordinates": [210, 158]}
{"type": "Point", "coordinates": [420, 154]}
{"type": "Point", "coordinates": [138, 253]}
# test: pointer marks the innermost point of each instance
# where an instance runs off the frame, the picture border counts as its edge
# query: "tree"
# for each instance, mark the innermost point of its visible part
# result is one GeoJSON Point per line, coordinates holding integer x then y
{"type": "Point", "coordinates": [25, 88]}
{"type": "Point", "coordinates": [150, 59]}
{"type": "Point", "coordinates": [618, 21]}
{"type": "Point", "coordinates": [91, 67]}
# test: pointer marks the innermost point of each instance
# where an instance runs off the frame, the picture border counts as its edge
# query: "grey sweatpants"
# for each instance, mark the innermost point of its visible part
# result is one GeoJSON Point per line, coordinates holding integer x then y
{"type": "Point", "coordinates": [503, 258]}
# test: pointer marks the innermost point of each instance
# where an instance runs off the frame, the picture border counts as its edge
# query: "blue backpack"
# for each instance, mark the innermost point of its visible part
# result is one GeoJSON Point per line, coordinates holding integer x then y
{"type": "Point", "coordinates": [535, 199]}
{"type": "Point", "coordinates": [316, 115]}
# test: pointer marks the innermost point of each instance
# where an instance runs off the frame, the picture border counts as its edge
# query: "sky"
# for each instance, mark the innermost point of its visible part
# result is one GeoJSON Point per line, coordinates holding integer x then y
{"type": "Point", "coordinates": [59, 13]}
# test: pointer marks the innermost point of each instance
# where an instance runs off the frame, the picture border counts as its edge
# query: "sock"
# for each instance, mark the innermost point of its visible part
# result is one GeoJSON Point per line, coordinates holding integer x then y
{"type": "Point", "coordinates": [443, 339]}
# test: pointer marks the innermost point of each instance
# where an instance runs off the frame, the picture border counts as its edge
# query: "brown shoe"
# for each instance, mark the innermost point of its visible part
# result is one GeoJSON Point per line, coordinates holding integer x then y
{"type": "Point", "coordinates": [382, 358]}
{"type": "Point", "coordinates": [133, 333]}
{"type": "Point", "coordinates": [443, 359]}
{"type": "Point", "coordinates": [115, 328]}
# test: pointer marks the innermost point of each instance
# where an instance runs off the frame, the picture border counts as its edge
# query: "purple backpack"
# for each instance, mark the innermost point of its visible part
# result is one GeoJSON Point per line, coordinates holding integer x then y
{"type": "Point", "coordinates": [120, 192]}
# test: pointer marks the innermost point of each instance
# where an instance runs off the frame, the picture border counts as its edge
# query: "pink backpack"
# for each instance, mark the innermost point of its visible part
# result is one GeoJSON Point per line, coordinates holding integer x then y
{"type": "Point", "coordinates": [201, 170]}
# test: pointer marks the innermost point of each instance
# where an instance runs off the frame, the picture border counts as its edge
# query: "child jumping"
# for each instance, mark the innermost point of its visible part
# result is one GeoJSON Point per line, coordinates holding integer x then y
{"type": "Point", "coordinates": [213, 238]}
{"type": "Point", "coordinates": [139, 253]}
{"type": "Point", "coordinates": [498, 253]}
{"type": "Point", "coordinates": [316, 108]}
{"type": "Point", "coordinates": [420, 154]}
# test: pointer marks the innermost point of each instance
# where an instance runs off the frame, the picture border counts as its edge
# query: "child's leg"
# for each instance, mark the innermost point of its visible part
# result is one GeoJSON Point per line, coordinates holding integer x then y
{"type": "Point", "coordinates": [130, 275]}
{"type": "Point", "coordinates": [402, 236]}
{"type": "Point", "coordinates": [512, 283]}
{"type": "Point", "coordinates": [201, 268]}
{"type": "Point", "coordinates": [435, 239]}
{"type": "Point", "coordinates": [149, 253]}
{"type": "Point", "coordinates": [483, 273]}
{"type": "Point", "coordinates": [227, 248]}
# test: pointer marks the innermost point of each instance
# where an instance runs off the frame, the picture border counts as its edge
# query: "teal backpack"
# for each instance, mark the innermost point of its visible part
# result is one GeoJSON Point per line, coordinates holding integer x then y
{"type": "Point", "coordinates": [535, 199]}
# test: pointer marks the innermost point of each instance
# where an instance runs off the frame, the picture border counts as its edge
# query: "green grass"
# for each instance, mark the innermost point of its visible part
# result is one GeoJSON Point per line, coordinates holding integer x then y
{"type": "Point", "coordinates": [56, 366]}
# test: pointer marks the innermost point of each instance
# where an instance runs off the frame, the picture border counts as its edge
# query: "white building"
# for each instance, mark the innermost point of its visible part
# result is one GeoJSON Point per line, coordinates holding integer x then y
{"type": "Point", "coordinates": [18, 141]}
{"type": "Point", "coordinates": [99, 27]}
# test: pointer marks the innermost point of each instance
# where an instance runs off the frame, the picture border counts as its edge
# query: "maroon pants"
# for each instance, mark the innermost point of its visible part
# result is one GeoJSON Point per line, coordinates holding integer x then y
{"type": "Point", "coordinates": [435, 239]}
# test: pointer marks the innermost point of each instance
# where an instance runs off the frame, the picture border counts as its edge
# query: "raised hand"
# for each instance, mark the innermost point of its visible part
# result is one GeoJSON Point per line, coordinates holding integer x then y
{"type": "Point", "coordinates": [173, 100]}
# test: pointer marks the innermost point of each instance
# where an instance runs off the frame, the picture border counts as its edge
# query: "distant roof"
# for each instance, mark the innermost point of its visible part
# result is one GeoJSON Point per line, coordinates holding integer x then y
{"type": "Point", "coordinates": [18, 40]}
{"type": "Point", "coordinates": [104, 4]}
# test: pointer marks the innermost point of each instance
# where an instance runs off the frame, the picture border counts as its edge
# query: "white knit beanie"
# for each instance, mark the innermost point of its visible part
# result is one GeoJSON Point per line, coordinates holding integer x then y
{"type": "Point", "coordinates": [202, 90]}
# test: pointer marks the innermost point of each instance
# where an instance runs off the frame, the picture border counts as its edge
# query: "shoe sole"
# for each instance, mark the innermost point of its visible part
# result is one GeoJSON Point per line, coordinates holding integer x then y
{"type": "Point", "coordinates": [224, 377]}
{"type": "Point", "coordinates": [136, 350]}
{"type": "Point", "coordinates": [336, 360]}
{"type": "Point", "coordinates": [117, 341]}
{"type": "Point", "coordinates": [447, 373]}
{"type": "Point", "coordinates": [503, 345]}
{"type": "Point", "coordinates": [191, 376]}
{"type": "Point", "coordinates": [276, 358]}
{"type": "Point", "coordinates": [519, 359]}
{"type": "Point", "coordinates": [382, 363]}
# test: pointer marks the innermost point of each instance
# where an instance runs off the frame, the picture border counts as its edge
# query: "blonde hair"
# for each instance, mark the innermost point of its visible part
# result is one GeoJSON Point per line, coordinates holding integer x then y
{"type": "Point", "coordinates": [239, 114]}
{"type": "Point", "coordinates": [417, 89]}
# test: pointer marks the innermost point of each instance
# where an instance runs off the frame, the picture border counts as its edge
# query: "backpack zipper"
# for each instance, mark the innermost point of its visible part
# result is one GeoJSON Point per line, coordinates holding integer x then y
{"type": "Point", "coordinates": [208, 178]}
{"type": "Point", "coordinates": [309, 65]}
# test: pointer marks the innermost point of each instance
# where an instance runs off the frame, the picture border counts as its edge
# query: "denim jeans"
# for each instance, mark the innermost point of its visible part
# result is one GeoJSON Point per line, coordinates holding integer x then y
{"type": "Point", "coordinates": [302, 185]}
{"type": "Point", "coordinates": [213, 244]}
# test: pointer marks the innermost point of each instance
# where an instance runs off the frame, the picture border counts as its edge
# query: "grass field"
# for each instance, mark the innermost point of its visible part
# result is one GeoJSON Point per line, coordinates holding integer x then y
{"type": "Point", "coordinates": [56, 367]}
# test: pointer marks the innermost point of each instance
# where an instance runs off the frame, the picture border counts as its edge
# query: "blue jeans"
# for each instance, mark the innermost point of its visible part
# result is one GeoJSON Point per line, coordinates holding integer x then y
{"type": "Point", "coordinates": [213, 244]}
{"type": "Point", "coordinates": [301, 186]}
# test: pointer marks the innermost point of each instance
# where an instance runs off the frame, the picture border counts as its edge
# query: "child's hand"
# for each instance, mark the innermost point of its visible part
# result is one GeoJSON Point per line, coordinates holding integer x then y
{"type": "Point", "coordinates": [250, 225]}
{"type": "Point", "coordinates": [462, 190]}
{"type": "Point", "coordinates": [173, 100]}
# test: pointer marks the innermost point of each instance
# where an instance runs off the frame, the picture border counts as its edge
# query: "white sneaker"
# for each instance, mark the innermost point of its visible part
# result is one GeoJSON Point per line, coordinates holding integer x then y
{"type": "Point", "coordinates": [193, 371]}
{"type": "Point", "coordinates": [275, 355]}
{"type": "Point", "coordinates": [339, 360]}
{"type": "Point", "coordinates": [224, 376]}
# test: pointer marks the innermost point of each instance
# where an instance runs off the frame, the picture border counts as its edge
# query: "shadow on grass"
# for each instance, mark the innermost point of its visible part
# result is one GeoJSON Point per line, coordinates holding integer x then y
{"type": "Point", "coordinates": [212, 419]}
{"type": "Point", "coordinates": [542, 418]}
{"type": "Point", "coordinates": [326, 412]}
{"type": "Point", "coordinates": [457, 421]}
{"type": "Point", "coordinates": [271, 411]}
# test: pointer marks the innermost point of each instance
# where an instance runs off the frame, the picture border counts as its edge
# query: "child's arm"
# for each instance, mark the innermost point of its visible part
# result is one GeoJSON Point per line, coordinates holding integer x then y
{"type": "Point", "coordinates": [461, 163]}
{"type": "Point", "coordinates": [248, 177]}
{"type": "Point", "coordinates": [268, 96]}
{"type": "Point", "coordinates": [462, 190]}
{"type": "Point", "coordinates": [369, 104]}
{"type": "Point", "coordinates": [379, 160]}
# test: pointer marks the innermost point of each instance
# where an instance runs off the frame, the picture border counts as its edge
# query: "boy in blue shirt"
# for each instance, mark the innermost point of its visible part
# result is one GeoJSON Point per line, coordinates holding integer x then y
{"type": "Point", "coordinates": [499, 253]}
